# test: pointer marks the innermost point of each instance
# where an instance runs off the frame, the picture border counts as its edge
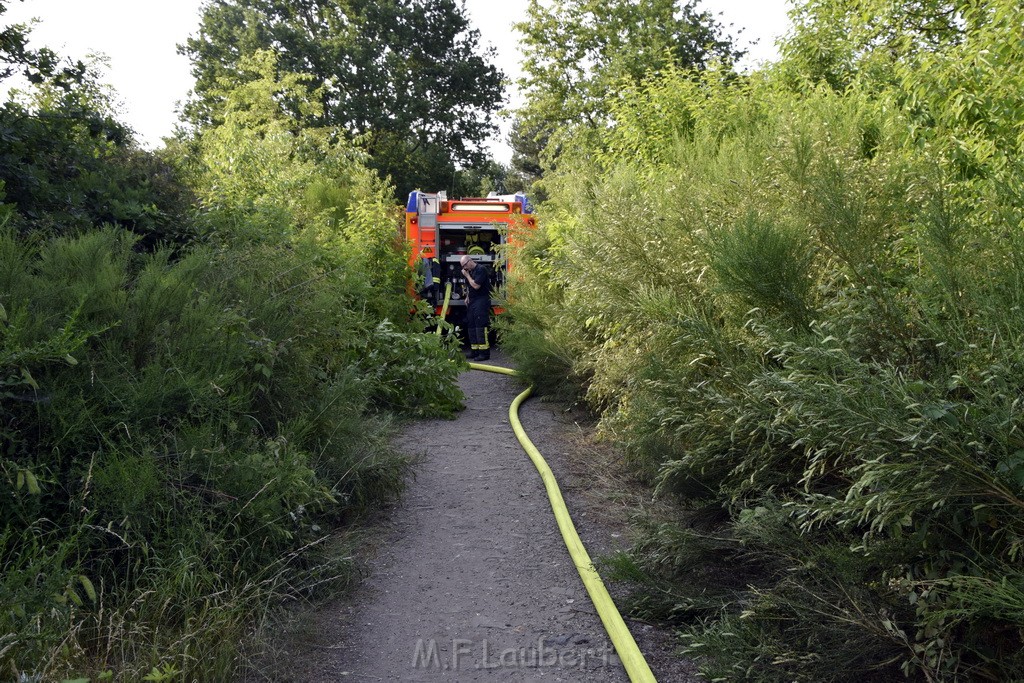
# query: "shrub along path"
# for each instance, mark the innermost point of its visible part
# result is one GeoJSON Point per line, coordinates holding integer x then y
{"type": "Point", "coordinates": [472, 580]}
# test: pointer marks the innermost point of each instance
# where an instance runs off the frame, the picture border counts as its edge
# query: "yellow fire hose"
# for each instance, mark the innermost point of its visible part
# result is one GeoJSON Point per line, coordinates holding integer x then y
{"type": "Point", "coordinates": [633, 661]}
{"type": "Point", "coordinates": [444, 308]}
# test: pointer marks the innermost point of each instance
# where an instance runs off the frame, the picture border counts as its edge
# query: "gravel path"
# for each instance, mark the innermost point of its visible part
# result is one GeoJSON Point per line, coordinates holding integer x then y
{"type": "Point", "coordinates": [472, 581]}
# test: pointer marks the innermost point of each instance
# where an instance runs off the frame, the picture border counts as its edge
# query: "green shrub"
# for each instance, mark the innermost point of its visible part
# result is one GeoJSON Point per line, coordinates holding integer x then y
{"type": "Point", "coordinates": [766, 267]}
{"type": "Point", "coordinates": [68, 165]}
{"type": "Point", "coordinates": [201, 356]}
{"type": "Point", "coordinates": [799, 310]}
{"type": "Point", "coordinates": [184, 434]}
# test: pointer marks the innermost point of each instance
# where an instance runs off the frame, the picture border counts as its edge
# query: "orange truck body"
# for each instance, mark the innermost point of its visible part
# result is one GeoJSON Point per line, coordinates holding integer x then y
{"type": "Point", "coordinates": [441, 231]}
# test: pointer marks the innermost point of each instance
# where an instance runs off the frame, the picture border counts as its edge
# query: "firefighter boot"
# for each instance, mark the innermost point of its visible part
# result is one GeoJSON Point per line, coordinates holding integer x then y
{"type": "Point", "coordinates": [476, 342]}
{"type": "Point", "coordinates": [483, 349]}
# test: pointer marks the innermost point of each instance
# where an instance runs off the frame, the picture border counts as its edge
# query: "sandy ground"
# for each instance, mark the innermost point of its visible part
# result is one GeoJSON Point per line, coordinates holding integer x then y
{"type": "Point", "coordinates": [472, 581]}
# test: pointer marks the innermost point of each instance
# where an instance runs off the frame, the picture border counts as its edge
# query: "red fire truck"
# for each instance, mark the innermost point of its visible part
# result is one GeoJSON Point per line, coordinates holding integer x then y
{"type": "Point", "coordinates": [442, 230]}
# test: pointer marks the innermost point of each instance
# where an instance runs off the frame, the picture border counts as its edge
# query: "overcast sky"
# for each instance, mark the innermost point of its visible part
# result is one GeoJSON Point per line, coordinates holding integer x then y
{"type": "Point", "coordinates": [140, 36]}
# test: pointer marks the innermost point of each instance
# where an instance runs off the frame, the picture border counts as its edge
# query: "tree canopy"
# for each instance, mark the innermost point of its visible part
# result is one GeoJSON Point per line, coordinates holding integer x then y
{"type": "Point", "coordinates": [405, 79]}
{"type": "Point", "coordinates": [36, 65]}
{"type": "Point", "coordinates": [836, 41]}
{"type": "Point", "coordinates": [602, 46]}
{"type": "Point", "coordinates": [67, 163]}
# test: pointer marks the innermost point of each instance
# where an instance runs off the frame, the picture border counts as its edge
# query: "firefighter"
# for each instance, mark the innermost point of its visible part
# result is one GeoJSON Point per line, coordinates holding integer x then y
{"type": "Point", "coordinates": [478, 307]}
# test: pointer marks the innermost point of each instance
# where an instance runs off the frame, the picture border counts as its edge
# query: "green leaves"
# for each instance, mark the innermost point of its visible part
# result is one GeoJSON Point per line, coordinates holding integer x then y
{"type": "Point", "coordinates": [766, 266]}
{"type": "Point", "coordinates": [28, 481]}
{"type": "Point", "coordinates": [405, 81]}
{"type": "Point", "coordinates": [795, 297]}
{"type": "Point", "coordinates": [1013, 469]}
{"type": "Point", "coordinates": [572, 83]}
{"type": "Point", "coordinates": [78, 583]}
{"type": "Point", "coordinates": [28, 379]}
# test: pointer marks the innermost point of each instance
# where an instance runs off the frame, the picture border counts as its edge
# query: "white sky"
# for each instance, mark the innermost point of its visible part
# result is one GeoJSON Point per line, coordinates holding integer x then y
{"type": "Point", "coordinates": [139, 38]}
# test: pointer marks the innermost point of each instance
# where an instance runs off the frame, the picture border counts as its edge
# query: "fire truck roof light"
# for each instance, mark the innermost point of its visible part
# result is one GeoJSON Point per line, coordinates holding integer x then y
{"type": "Point", "coordinates": [482, 206]}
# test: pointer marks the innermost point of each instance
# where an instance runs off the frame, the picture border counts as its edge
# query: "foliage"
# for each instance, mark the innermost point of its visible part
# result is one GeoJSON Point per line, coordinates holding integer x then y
{"type": "Point", "coordinates": [406, 80]}
{"type": "Point", "coordinates": [839, 41]}
{"type": "Point", "coordinates": [195, 400]}
{"type": "Point", "coordinates": [37, 66]}
{"type": "Point", "coordinates": [796, 301]}
{"type": "Point", "coordinates": [197, 420]}
{"type": "Point", "coordinates": [600, 48]}
{"type": "Point", "coordinates": [68, 164]}
{"type": "Point", "coordinates": [179, 433]}
{"type": "Point", "coordinates": [527, 147]}
{"type": "Point", "coordinates": [544, 360]}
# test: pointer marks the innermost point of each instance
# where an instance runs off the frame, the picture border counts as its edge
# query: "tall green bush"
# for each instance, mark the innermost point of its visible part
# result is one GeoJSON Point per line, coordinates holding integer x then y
{"type": "Point", "coordinates": [189, 429]}
{"type": "Point", "coordinates": [799, 310]}
{"type": "Point", "coordinates": [68, 165]}
{"type": "Point", "coordinates": [186, 432]}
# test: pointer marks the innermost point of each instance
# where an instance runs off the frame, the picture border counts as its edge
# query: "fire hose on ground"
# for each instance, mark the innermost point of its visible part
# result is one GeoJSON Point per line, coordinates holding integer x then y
{"type": "Point", "coordinates": [632, 659]}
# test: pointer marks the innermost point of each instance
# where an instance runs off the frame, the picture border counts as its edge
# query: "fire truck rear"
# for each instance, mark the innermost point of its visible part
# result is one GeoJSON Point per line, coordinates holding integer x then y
{"type": "Point", "coordinates": [443, 230]}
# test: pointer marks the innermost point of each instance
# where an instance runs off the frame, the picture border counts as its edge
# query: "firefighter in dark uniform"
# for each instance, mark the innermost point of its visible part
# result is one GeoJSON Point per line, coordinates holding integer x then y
{"type": "Point", "coordinates": [478, 307]}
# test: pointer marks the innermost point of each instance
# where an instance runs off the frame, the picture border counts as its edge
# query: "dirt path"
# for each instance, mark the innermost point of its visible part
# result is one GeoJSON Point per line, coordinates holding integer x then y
{"type": "Point", "coordinates": [472, 581]}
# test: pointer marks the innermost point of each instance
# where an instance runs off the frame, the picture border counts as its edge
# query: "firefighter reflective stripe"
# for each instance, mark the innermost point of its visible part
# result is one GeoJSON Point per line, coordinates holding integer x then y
{"type": "Point", "coordinates": [486, 345]}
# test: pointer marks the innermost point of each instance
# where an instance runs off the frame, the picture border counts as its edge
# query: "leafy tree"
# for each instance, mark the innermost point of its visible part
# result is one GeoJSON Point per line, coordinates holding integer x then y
{"type": "Point", "coordinates": [835, 40]}
{"type": "Point", "coordinates": [260, 163]}
{"type": "Point", "coordinates": [490, 177]}
{"type": "Point", "coordinates": [601, 46]}
{"type": "Point", "coordinates": [67, 164]}
{"type": "Point", "coordinates": [37, 66]}
{"type": "Point", "coordinates": [527, 147]}
{"type": "Point", "coordinates": [406, 79]}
